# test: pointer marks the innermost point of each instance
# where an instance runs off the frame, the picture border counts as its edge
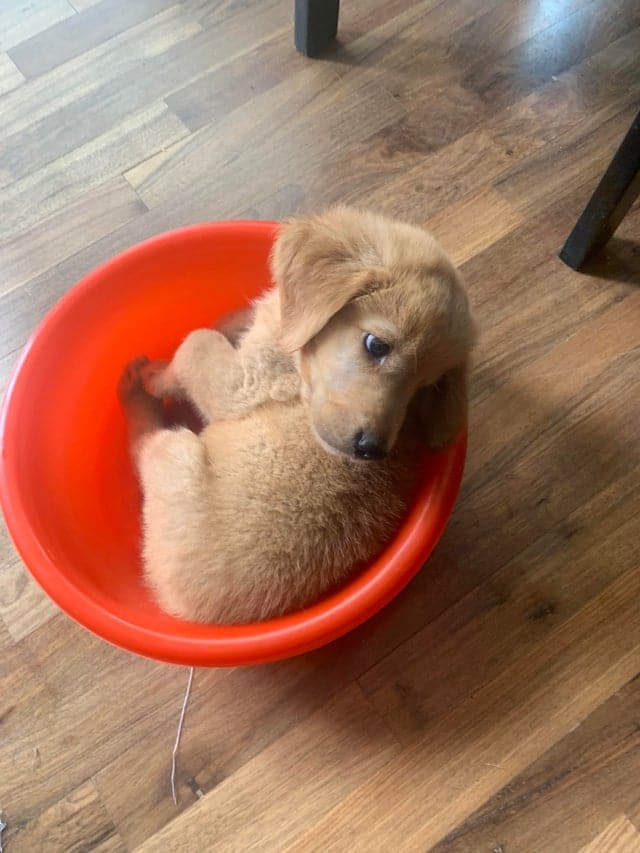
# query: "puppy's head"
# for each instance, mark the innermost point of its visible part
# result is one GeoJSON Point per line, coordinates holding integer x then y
{"type": "Point", "coordinates": [380, 323]}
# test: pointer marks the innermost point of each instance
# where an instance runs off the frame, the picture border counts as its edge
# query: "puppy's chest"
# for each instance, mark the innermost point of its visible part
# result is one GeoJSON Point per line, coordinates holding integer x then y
{"type": "Point", "coordinates": [270, 374]}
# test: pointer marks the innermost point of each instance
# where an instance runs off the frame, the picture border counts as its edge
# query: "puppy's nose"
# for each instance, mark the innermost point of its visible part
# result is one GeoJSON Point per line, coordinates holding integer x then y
{"type": "Point", "coordinates": [367, 446]}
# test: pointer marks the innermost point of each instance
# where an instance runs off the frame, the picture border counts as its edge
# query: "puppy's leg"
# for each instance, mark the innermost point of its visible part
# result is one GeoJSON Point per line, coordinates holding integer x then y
{"type": "Point", "coordinates": [144, 413]}
{"type": "Point", "coordinates": [207, 369]}
{"type": "Point", "coordinates": [175, 477]}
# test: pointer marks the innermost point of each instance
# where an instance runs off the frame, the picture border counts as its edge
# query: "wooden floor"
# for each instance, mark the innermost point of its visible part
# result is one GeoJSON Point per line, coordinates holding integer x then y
{"type": "Point", "coordinates": [495, 706]}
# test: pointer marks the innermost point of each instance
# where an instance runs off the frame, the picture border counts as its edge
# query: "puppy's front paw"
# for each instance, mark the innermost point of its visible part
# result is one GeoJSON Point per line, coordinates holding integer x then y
{"type": "Point", "coordinates": [130, 386]}
{"type": "Point", "coordinates": [155, 378]}
{"type": "Point", "coordinates": [143, 413]}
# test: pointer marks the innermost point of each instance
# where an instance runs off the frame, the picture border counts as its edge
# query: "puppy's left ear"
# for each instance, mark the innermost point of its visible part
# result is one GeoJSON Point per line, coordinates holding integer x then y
{"type": "Point", "coordinates": [317, 270]}
{"type": "Point", "coordinates": [442, 408]}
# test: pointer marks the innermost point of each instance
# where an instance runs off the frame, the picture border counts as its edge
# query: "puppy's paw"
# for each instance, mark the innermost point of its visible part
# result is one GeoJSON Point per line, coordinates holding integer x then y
{"type": "Point", "coordinates": [130, 386]}
{"type": "Point", "coordinates": [155, 378]}
{"type": "Point", "coordinates": [143, 413]}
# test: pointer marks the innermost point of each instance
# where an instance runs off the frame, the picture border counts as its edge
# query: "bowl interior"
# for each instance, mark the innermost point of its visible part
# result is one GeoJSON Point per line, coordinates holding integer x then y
{"type": "Point", "coordinates": [68, 488]}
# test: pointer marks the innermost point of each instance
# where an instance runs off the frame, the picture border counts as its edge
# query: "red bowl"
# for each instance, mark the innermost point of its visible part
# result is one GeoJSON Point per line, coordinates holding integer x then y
{"type": "Point", "coordinates": [66, 484]}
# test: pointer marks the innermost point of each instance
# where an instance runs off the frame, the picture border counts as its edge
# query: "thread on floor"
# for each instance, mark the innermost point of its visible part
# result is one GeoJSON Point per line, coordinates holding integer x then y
{"type": "Point", "coordinates": [176, 746]}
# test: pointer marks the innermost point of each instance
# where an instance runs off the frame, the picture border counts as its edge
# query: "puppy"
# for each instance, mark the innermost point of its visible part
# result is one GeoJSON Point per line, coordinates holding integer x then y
{"type": "Point", "coordinates": [314, 420]}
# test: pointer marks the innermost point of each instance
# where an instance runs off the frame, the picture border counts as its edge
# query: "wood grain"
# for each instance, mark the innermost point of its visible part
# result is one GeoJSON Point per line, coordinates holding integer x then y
{"type": "Point", "coordinates": [282, 117]}
{"type": "Point", "coordinates": [620, 836]}
{"type": "Point", "coordinates": [76, 722]}
{"type": "Point", "coordinates": [55, 114]}
{"type": "Point", "coordinates": [474, 223]}
{"type": "Point", "coordinates": [571, 792]}
{"type": "Point", "coordinates": [19, 20]}
{"type": "Point", "coordinates": [493, 705]}
{"type": "Point", "coordinates": [10, 77]}
{"type": "Point", "coordinates": [23, 605]}
{"type": "Point", "coordinates": [465, 755]}
{"type": "Point", "coordinates": [79, 821]}
{"type": "Point", "coordinates": [44, 192]}
{"type": "Point", "coordinates": [77, 34]}
{"type": "Point", "coordinates": [86, 218]}
{"type": "Point", "coordinates": [289, 784]}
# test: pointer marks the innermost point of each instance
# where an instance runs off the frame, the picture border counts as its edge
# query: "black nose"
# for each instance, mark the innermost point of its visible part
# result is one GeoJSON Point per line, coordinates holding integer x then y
{"type": "Point", "coordinates": [366, 446]}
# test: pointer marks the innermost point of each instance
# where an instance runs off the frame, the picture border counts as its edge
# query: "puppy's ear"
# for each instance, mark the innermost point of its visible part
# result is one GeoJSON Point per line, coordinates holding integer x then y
{"type": "Point", "coordinates": [317, 270]}
{"type": "Point", "coordinates": [442, 408]}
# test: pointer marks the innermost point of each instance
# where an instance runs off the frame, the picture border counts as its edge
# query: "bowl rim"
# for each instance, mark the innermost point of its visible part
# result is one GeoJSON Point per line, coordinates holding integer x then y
{"type": "Point", "coordinates": [275, 639]}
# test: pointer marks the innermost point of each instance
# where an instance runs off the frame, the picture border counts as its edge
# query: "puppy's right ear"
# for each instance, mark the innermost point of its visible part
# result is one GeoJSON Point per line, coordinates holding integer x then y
{"type": "Point", "coordinates": [317, 271]}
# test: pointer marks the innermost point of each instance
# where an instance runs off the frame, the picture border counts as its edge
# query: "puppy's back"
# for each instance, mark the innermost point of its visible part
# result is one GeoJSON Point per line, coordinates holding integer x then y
{"type": "Point", "coordinates": [276, 521]}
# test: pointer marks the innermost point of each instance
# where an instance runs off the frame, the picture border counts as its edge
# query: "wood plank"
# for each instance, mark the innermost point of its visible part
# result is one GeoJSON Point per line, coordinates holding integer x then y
{"type": "Point", "coordinates": [23, 605]}
{"type": "Point", "coordinates": [620, 836]}
{"type": "Point", "coordinates": [250, 73]}
{"type": "Point", "coordinates": [573, 449]}
{"type": "Point", "coordinates": [6, 642]}
{"type": "Point", "coordinates": [572, 369]}
{"type": "Point", "coordinates": [79, 821]}
{"type": "Point", "coordinates": [81, 5]}
{"type": "Point", "coordinates": [7, 362]}
{"type": "Point", "coordinates": [284, 202]}
{"type": "Point", "coordinates": [383, 169]}
{"type": "Point", "coordinates": [298, 779]}
{"type": "Point", "coordinates": [365, 66]}
{"type": "Point", "coordinates": [561, 166]}
{"type": "Point", "coordinates": [367, 25]}
{"type": "Point", "coordinates": [549, 51]}
{"type": "Point", "coordinates": [466, 37]}
{"type": "Point", "coordinates": [473, 224]}
{"type": "Point", "coordinates": [572, 791]}
{"type": "Point", "coordinates": [267, 112]}
{"type": "Point", "coordinates": [20, 20]}
{"type": "Point", "coordinates": [633, 811]}
{"type": "Point", "coordinates": [26, 306]}
{"type": "Point", "coordinates": [88, 96]}
{"type": "Point", "coordinates": [44, 192]}
{"type": "Point", "coordinates": [102, 20]}
{"type": "Point", "coordinates": [65, 722]}
{"type": "Point", "coordinates": [522, 323]}
{"type": "Point", "coordinates": [511, 611]}
{"type": "Point", "coordinates": [244, 19]}
{"type": "Point", "coordinates": [507, 26]}
{"type": "Point", "coordinates": [135, 786]}
{"type": "Point", "coordinates": [10, 77]}
{"type": "Point", "coordinates": [90, 216]}
{"type": "Point", "coordinates": [280, 120]}
{"type": "Point", "coordinates": [471, 752]}
{"type": "Point", "coordinates": [77, 34]}
{"type": "Point", "coordinates": [228, 86]}
{"type": "Point", "coordinates": [573, 104]}
{"type": "Point", "coordinates": [406, 183]}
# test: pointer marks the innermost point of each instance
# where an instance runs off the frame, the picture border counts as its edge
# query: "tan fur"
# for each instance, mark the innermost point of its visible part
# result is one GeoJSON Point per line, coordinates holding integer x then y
{"type": "Point", "coordinates": [265, 511]}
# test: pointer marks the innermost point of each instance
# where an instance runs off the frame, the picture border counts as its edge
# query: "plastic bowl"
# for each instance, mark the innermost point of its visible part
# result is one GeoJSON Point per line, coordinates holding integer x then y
{"type": "Point", "coordinates": [67, 487]}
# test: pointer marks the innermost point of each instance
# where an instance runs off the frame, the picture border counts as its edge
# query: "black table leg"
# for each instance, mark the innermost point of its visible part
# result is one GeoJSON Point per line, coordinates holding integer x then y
{"type": "Point", "coordinates": [614, 195]}
{"type": "Point", "coordinates": [316, 25]}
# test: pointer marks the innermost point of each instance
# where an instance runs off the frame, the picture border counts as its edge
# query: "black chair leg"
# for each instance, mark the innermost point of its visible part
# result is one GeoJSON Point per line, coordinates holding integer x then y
{"type": "Point", "coordinates": [316, 25]}
{"type": "Point", "coordinates": [614, 195]}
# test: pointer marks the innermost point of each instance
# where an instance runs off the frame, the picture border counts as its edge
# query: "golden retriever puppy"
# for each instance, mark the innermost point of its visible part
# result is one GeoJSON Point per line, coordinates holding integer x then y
{"type": "Point", "coordinates": [314, 420]}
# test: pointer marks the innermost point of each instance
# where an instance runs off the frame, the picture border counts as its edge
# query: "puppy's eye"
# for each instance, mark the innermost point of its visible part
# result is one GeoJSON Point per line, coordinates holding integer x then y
{"type": "Point", "coordinates": [376, 347]}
